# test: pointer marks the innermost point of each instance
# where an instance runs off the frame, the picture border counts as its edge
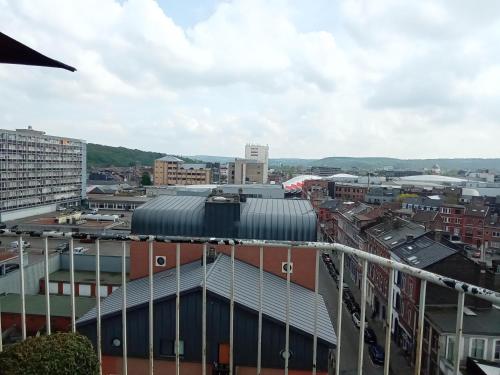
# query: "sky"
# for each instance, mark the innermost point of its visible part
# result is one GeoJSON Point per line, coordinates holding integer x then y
{"type": "Point", "coordinates": [310, 78]}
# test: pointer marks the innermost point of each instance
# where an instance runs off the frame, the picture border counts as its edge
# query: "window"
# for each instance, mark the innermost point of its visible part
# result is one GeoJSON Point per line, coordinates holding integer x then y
{"type": "Point", "coordinates": [477, 348]}
{"type": "Point", "coordinates": [496, 350]}
{"type": "Point", "coordinates": [66, 289]}
{"type": "Point", "coordinates": [450, 348]}
{"type": "Point", "coordinates": [84, 290]}
{"type": "Point", "coordinates": [53, 288]}
{"type": "Point", "coordinates": [103, 289]}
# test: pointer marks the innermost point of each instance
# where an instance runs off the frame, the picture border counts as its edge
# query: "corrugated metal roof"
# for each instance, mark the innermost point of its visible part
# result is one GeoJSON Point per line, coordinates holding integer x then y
{"type": "Point", "coordinates": [267, 219]}
{"type": "Point", "coordinates": [170, 216]}
{"type": "Point", "coordinates": [246, 294]}
{"type": "Point", "coordinates": [278, 219]}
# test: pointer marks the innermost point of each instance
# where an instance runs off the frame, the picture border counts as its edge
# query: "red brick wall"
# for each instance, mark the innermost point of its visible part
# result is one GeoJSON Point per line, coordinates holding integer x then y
{"type": "Point", "coordinates": [140, 366]}
{"type": "Point", "coordinates": [303, 259]}
{"type": "Point", "coordinates": [35, 322]}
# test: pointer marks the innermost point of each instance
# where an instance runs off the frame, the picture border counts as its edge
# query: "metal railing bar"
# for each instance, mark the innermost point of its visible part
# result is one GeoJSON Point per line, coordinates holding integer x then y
{"type": "Point", "coordinates": [388, 323]}
{"type": "Point", "coordinates": [20, 247]}
{"type": "Point", "coordinates": [361, 343]}
{"type": "Point", "coordinates": [315, 334]}
{"type": "Point", "coordinates": [177, 307]}
{"type": "Point", "coordinates": [48, 328]}
{"type": "Point", "coordinates": [420, 332]}
{"type": "Point", "coordinates": [443, 281]}
{"type": "Point", "coordinates": [204, 315]}
{"type": "Point", "coordinates": [231, 315]}
{"type": "Point", "coordinates": [287, 311]}
{"type": "Point", "coordinates": [98, 301]}
{"type": "Point", "coordinates": [458, 333]}
{"type": "Point", "coordinates": [151, 313]}
{"type": "Point", "coordinates": [124, 309]}
{"type": "Point", "coordinates": [72, 283]}
{"type": "Point", "coordinates": [261, 286]}
{"type": "Point", "coordinates": [339, 314]}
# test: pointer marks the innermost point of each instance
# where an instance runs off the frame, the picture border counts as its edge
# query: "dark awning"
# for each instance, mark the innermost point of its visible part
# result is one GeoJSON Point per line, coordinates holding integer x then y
{"type": "Point", "coordinates": [13, 52]}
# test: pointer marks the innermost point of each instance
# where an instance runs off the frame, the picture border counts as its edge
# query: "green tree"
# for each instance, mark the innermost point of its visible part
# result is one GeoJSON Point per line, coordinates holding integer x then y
{"type": "Point", "coordinates": [146, 179]}
{"type": "Point", "coordinates": [57, 354]}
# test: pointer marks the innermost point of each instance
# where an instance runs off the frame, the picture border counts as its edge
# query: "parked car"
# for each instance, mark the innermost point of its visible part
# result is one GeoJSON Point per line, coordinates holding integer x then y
{"type": "Point", "coordinates": [36, 233]}
{"type": "Point", "coordinates": [63, 247]}
{"type": "Point", "coordinates": [370, 336]}
{"type": "Point", "coordinates": [80, 250]}
{"type": "Point", "coordinates": [88, 240]}
{"type": "Point", "coordinates": [349, 305]}
{"type": "Point", "coordinates": [377, 354]}
{"type": "Point", "coordinates": [3, 226]}
{"type": "Point", "coordinates": [356, 319]}
{"type": "Point", "coordinates": [476, 254]}
{"type": "Point", "coordinates": [11, 267]}
{"type": "Point", "coordinates": [347, 295]}
{"type": "Point", "coordinates": [15, 244]}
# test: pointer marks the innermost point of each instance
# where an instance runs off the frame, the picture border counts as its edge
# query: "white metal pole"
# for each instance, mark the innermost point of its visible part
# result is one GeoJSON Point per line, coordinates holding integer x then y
{"type": "Point", "coordinates": [204, 315]}
{"type": "Point", "coordinates": [287, 312]}
{"type": "Point", "coordinates": [151, 315]}
{"type": "Point", "coordinates": [261, 286]}
{"type": "Point", "coordinates": [177, 307]}
{"type": "Point", "coordinates": [339, 314]}
{"type": "Point", "coordinates": [23, 298]}
{"type": "Point", "coordinates": [388, 323]}
{"type": "Point", "coordinates": [361, 342]}
{"type": "Point", "coordinates": [420, 332]}
{"type": "Point", "coordinates": [72, 284]}
{"type": "Point", "coordinates": [98, 300]}
{"type": "Point", "coordinates": [458, 333]}
{"type": "Point", "coordinates": [231, 315]}
{"type": "Point", "coordinates": [47, 288]}
{"type": "Point", "coordinates": [124, 308]}
{"type": "Point", "coordinates": [315, 334]}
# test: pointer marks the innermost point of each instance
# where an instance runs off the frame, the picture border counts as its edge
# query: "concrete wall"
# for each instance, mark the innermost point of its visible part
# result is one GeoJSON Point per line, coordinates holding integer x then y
{"type": "Point", "coordinates": [25, 212]}
{"type": "Point", "coordinates": [32, 275]}
{"type": "Point", "coordinates": [86, 262]}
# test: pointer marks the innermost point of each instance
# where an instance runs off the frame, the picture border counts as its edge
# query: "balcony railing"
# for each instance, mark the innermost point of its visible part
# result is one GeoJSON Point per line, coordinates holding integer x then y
{"type": "Point", "coordinates": [316, 248]}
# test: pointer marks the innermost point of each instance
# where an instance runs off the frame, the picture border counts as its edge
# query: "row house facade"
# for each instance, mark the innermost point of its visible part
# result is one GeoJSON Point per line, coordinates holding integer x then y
{"type": "Point", "coordinates": [350, 192]}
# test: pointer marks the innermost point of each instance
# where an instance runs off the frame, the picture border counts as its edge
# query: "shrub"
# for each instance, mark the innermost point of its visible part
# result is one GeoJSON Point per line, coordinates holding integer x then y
{"type": "Point", "coordinates": [57, 354]}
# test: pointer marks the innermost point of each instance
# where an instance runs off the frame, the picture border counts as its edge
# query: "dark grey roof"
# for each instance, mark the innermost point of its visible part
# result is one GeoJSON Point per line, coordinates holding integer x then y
{"type": "Point", "coordinates": [267, 219]}
{"type": "Point", "coordinates": [422, 252]}
{"type": "Point", "coordinates": [394, 232]}
{"type": "Point", "coordinates": [331, 204]}
{"type": "Point", "coordinates": [424, 201]}
{"type": "Point", "coordinates": [486, 322]}
{"type": "Point", "coordinates": [278, 219]}
{"type": "Point", "coordinates": [246, 294]}
{"type": "Point", "coordinates": [170, 216]}
{"type": "Point", "coordinates": [170, 158]}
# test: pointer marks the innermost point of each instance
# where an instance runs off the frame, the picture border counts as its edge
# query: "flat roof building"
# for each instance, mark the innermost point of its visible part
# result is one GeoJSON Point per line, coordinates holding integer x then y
{"type": "Point", "coordinates": [170, 170]}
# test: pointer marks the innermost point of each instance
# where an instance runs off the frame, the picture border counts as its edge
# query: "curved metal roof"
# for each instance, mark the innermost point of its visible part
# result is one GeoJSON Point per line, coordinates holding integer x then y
{"type": "Point", "coordinates": [170, 216]}
{"type": "Point", "coordinates": [264, 219]}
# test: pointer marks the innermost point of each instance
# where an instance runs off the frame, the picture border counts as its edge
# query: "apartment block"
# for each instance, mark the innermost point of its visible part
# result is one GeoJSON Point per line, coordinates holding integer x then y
{"type": "Point", "coordinates": [247, 171]}
{"type": "Point", "coordinates": [170, 170]}
{"type": "Point", "coordinates": [39, 172]}
{"type": "Point", "coordinates": [261, 154]}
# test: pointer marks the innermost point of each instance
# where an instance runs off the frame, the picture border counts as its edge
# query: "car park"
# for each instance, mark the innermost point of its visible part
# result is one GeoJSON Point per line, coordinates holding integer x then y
{"type": "Point", "coordinates": [377, 355]}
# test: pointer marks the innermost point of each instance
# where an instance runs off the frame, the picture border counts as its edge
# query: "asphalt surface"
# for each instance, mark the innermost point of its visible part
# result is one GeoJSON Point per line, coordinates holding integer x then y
{"type": "Point", "coordinates": [350, 333]}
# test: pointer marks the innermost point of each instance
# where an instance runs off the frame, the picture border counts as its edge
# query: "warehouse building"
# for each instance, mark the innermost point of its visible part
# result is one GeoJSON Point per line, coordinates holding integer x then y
{"type": "Point", "coordinates": [246, 297]}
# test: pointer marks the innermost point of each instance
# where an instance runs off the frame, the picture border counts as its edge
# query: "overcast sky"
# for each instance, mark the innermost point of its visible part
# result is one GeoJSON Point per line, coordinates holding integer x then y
{"type": "Point", "coordinates": [311, 78]}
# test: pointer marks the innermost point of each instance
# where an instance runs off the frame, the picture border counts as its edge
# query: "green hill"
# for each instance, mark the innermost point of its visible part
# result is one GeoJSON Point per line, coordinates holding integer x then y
{"type": "Point", "coordinates": [107, 156]}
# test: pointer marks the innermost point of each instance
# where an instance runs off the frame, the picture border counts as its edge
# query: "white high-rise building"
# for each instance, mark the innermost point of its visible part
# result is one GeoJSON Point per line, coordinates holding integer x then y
{"type": "Point", "coordinates": [261, 154]}
{"type": "Point", "coordinates": [39, 172]}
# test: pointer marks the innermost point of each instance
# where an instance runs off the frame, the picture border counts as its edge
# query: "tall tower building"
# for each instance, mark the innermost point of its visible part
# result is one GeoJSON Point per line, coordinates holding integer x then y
{"type": "Point", "coordinates": [39, 172]}
{"type": "Point", "coordinates": [261, 154]}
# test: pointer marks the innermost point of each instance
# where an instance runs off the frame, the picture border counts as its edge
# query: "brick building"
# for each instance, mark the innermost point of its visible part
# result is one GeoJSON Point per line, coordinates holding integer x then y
{"type": "Point", "coordinates": [350, 192]}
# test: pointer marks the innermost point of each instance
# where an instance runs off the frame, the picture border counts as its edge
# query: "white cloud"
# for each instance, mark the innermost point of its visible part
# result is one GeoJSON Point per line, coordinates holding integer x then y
{"type": "Point", "coordinates": [388, 78]}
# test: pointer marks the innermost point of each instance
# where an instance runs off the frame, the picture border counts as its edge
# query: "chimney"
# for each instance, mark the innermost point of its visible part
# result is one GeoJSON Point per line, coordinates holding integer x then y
{"type": "Point", "coordinates": [438, 234]}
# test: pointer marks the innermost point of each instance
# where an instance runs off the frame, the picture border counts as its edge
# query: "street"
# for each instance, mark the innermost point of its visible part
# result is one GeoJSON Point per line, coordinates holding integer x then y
{"type": "Point", "coordinates": [350, 334]}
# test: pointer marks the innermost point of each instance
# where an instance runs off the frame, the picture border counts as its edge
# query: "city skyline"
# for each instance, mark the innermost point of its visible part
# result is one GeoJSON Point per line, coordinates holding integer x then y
{"type": "Point", "coordinates": [329, 78]}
